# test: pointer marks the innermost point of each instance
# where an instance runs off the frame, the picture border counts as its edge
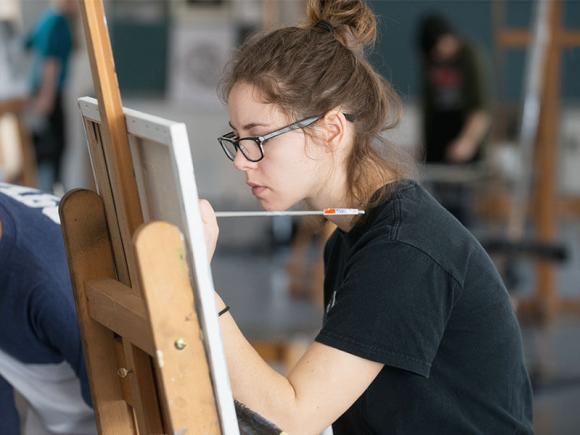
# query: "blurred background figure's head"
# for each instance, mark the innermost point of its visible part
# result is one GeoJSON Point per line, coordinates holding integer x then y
{"type": "Point", "coordinates": [437, 38]}
{"type": "Point", "coordinates": [68, 7]}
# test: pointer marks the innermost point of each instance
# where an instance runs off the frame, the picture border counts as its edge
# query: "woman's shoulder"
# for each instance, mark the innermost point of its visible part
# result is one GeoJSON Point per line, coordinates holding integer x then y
{"type": "Point", "coordinates": [412, 218]}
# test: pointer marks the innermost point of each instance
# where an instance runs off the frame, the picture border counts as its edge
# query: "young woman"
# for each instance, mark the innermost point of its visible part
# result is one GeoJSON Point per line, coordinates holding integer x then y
{"type": "Point", "coordinates": [418, 336]}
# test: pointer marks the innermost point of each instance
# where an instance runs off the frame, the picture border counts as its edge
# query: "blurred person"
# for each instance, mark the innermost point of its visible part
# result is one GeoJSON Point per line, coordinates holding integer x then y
{"type": "Point", "coordinates": [51, 42]}
{"type": "Point", "coordinates": [455, 114]}
{"type": "Point", "coordinates": [41, 356]}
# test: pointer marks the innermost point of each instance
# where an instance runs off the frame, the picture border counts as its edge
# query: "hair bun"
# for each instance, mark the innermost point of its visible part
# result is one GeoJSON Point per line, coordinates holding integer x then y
{"type": "Point", "coordinates": [324, 25]}
{"type": "Point", "coordinates": [352, 21]}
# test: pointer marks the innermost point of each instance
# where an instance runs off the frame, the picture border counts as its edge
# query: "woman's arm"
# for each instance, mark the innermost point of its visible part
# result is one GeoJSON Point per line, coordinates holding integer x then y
{"type": "Point", "coordinates": [44, 101]}
{"type": "Point", "coordinates": [468, 141]}
{"type": "Point", "coordinates": [321, 387]}
{"type": "Point", "coordinates": [478, 120]}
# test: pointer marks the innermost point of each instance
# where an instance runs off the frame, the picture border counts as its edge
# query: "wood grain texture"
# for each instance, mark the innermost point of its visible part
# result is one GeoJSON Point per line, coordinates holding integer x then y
{"type": "Point", "coordinates": [90, 257]}
{"type": "Point", "coordinates": [104, 188]}
{"type": "Point", "coordinates": [546, 156]}
{"type": "Point", "coordinates": [28, 172]}
{"type": "Point", "coordinates": [119, 168]}
{"type": "Point", "coordinates": [183, 371]}
{"type": "Point", "coordinates": [114, 306]}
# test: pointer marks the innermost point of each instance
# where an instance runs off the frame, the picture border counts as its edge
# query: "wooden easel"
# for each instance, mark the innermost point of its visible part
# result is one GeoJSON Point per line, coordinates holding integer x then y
{"type": "Point", "coordinates": [15, 107]}
{"type": "Point", "coordinates": [143, 345]}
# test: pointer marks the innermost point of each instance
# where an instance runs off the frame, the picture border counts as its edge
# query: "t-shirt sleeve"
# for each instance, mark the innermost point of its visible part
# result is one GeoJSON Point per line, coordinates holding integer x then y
{"type": "Point", "coordinates": [56, 319]}
{"type": "Point", "coordinates": [54, 43]}
{"type": "Point", "coordinates": [391, 307]}
{"type": "Point", "coordinates": [476, 89]}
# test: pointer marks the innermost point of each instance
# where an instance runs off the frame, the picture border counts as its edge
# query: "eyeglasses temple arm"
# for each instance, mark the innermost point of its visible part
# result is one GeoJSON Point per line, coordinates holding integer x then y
{"type": "Point", "coordinates": [299, 124]}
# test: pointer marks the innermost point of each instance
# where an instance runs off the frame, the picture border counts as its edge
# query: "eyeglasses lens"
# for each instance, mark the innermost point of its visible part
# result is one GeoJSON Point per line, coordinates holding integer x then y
{"type": "Point", "coordinates": [228, 147]}
{"type": "Point", "coordinates": [250, 149]}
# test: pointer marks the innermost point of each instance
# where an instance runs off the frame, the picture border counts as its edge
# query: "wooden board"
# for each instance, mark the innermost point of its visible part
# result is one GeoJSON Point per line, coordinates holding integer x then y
{"type": "Point", "coordinates": [161, 253]}
{"type": "Point", "coordinates": [90, 258]}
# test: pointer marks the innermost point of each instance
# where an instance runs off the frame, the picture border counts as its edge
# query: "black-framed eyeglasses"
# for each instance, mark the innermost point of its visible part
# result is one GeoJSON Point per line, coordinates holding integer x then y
{"type": "Point", "coordinates": [252, 147]}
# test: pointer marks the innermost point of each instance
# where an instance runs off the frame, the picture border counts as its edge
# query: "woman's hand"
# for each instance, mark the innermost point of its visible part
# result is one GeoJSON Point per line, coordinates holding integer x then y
{"type": "Point", "coordinates": [461, 151]}
{"type": "Point", "coordinates": [210, 226]}
{"type": "Point", "coordinates": [43, 105]}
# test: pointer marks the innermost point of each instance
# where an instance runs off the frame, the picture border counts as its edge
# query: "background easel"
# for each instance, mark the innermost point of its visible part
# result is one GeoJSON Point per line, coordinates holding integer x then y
{"type": "Point", "coordinates": [544, 206]}
{"type": "Point", "coordinates": [14, 107]}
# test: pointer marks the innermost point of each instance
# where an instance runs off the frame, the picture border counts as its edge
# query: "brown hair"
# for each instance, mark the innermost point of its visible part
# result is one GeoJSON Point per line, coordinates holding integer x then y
{"type": "Point", "coordinates": [313, 68]}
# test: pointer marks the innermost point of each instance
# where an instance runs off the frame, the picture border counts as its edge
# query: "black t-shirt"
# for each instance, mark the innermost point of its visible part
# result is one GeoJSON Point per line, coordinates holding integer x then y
{"type": "Point", "coordinates": [411, 288]}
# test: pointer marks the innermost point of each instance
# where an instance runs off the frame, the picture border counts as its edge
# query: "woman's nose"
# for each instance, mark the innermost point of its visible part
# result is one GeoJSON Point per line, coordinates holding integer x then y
{"type": "Point", "coordinates": [241, 163]}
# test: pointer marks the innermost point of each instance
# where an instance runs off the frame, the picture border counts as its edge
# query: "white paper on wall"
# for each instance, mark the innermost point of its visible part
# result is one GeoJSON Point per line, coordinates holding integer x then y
{"type": "Point", "coordinates": [198, 57]}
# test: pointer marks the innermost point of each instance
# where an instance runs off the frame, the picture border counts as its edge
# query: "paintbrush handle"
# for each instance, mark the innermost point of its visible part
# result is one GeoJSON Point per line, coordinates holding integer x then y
{"type": "Point", "coordinates": [266, 213]}
{"type": "Point", "coordinates": [325, 212]}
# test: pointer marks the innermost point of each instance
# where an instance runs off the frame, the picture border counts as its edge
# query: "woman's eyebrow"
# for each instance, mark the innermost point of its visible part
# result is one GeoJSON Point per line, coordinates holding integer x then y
{"type": "Point", "coordinates": [249, 126]}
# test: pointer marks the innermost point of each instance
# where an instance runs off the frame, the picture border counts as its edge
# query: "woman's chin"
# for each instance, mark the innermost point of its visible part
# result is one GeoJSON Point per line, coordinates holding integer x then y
{"type": "Point", "coordinates": [271, 206]}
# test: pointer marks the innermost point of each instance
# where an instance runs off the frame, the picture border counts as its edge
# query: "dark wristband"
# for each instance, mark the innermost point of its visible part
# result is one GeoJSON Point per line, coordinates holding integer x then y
{"type": "Point", "coordinates": [225, 310]}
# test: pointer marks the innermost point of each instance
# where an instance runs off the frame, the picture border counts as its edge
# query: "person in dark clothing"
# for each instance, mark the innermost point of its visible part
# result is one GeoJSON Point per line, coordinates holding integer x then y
{"type": "Point", "coordinates": [51, 43]}
{"type": "Point", "coordinates": [418, 335]}
{"type": "Point", "coordinates": [454, 105]}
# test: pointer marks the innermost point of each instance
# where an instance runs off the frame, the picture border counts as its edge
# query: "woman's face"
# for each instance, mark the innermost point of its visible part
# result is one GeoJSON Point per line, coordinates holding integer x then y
{"type": "Point", "coordinates": [446, 48]}
{"type": "Point", "coordinates": [294, 167]}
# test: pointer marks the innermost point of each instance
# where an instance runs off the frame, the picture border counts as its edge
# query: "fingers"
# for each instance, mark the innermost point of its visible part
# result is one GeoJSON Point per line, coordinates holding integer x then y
{"type": "Point", "coordinates": [207, 212]}
{"type": "Point", "coordinates": [211, 229]}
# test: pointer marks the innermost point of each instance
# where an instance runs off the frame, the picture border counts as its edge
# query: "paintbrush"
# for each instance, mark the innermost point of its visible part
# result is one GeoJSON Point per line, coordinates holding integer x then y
{"type": "Point", "coordinates": [325, 212]}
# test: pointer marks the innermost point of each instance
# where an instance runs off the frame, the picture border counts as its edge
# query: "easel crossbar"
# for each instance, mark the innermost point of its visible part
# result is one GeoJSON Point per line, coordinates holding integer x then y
{"type": "Point", "coordinates": [116, 307]}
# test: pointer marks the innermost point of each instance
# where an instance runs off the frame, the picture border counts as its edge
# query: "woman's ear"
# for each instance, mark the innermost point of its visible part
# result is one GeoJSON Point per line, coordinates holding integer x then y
{"type": "Point", "coordinates": [334, 125]}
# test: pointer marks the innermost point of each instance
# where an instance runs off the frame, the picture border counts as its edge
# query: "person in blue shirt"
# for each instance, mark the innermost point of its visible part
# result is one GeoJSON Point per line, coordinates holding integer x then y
{"type": "Point", "coordinates": [41, 356]}
{"type": "Point", "coordinates": [51, 42]}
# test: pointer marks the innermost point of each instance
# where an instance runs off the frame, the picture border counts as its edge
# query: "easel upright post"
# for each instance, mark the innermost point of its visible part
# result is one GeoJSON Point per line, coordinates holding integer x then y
{"type": "Point", "coordinates": [121, 178]}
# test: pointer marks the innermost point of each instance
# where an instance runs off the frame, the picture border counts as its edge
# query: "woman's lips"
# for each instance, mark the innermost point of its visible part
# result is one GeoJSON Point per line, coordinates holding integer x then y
{"type": "Point", "coordinates": [257, 190]}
